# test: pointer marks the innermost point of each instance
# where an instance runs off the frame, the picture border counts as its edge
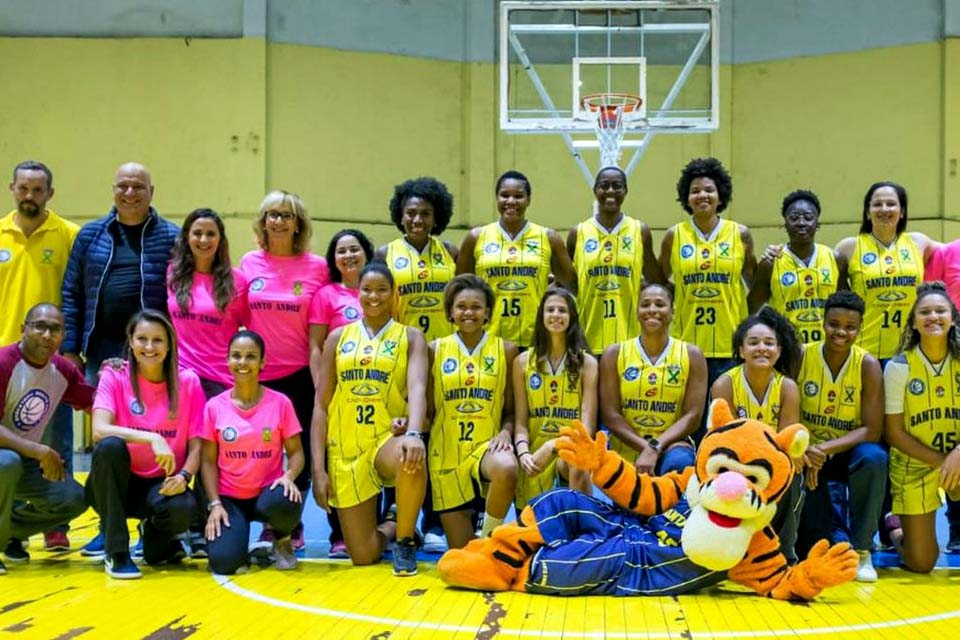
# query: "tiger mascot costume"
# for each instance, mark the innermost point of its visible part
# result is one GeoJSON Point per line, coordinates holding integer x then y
{"type": "Point", "coordinates": [670, 535]}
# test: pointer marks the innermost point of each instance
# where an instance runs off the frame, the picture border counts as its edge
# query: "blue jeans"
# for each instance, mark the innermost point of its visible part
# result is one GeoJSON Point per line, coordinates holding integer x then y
{"type": "Point", "coordinates": [29, 503]}
{"type": "Point", "coordinates": [864, 470]}
{"type": "Point", "coordinates": [676, 459]}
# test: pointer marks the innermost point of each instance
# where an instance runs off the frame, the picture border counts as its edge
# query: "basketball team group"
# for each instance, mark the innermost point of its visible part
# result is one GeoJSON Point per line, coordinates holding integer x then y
{"type": "Point", "coordinates": [418, 383]}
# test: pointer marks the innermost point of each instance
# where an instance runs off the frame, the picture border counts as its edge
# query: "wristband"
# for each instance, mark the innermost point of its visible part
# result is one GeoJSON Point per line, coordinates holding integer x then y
{"type": "Point", "coordinates": [414, 433]}
{"type": "Point", "coordinates": [525, 453]}
{"type": "Point", "coordinates": [186, 475]}
{"type": "Point", "coordinates": [214, 503]}
{"type": "Point", "coordinates": [519, 442]}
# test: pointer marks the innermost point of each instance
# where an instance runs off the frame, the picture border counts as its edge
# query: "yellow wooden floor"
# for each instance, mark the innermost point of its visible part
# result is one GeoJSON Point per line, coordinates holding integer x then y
{"type": "Point", "coordinates": [65, 596]}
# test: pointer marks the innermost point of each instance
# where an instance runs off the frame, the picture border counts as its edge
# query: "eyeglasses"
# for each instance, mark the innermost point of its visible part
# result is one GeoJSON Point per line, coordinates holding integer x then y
{"type": "Point", "coordinates": [285, 216]}
{"type": "Point", "coordinates": [43, 327]}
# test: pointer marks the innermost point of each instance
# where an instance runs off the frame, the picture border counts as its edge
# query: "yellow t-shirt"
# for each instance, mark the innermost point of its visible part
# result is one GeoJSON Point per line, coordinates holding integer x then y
{"type": "Point", "coordinates": [886, 278]}
{"type": "Point", "coordinates": [420, 277]}
{"type": "Point", "coordinates": [709, 299]}
{"type": "Point", "coordinates": [468, 391]}
{"type": "Point", "coordinates": [517, 270]}
{"type": "Point", "coordinates": [371, 387]}
{"type": "Point", "coordinates": [651, 391]}
{"type": "Point", "coordinates": [830, 406]}
{"type": "Point", "coordinates": [747, 405]}
{"type": "Point", "coordinates": [31, 269]}
{"type": "Point", "coordinates": [609, 268]}
{"type": "Point", "coordinates": [799, 290]}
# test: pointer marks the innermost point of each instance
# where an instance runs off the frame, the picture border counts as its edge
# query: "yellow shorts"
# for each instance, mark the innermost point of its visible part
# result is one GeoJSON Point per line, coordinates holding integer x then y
{"type": "Point", "coordinates": [456, 487]}
{"type": "Point", "coordinates": [529, 487]}
{"type": "Point", "coordinates": [913, 485]}
{"type": "Point", "coordinates": [355, 480]}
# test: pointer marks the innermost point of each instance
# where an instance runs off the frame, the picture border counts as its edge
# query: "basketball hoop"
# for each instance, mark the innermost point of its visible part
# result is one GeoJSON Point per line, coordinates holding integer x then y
{"type": "Point", "coordinates": [612, 111]}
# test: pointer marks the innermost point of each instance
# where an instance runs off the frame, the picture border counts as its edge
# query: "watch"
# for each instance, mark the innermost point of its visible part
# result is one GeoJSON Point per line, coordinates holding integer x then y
{"type": "Point", "coordinates": [654, 444]}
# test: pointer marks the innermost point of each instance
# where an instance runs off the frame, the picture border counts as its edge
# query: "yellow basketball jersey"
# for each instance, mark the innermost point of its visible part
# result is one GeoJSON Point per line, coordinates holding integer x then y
{"type": "Point", "coordinates": [552, 400]}
{"type": "Point", "coordinates": [371, 387]}
{"type": "Point", "coordinates": [517, 270]}
{"type": "Point", "coordinates": [747, 405]}
{"type": "Point", "coordinates": [420, 277]}
{"type": "Point", "coordinates": [830, 406]}
{"type": "Point", "coordinates": [468, 390]}
{"type": "Point", "coordinates": [651, 391]}
{"type": "Point", "coordinates": [710, 300]}
{"type": "Point", "coordinates": [799, 290]}
{"type": "Point", "coordinates": [886, 278]}
{"type": "Point", "coordinates": [931, 404]}
{"type": "Point", "coordinates": [609, 268]}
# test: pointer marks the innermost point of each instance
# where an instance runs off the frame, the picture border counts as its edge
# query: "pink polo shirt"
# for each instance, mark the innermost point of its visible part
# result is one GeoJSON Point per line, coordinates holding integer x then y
{"type": "Point", "coordinates": [203, 331]}
{"type": "Point", "coordinates": [279, 292]}
{"type": "Point", "coordinates": [152, 413]}
{"type": "Point", "coordinates": [335, 305]}
{"type": "Point", "coordinates": [944, 265]}
{"type": "Point", "coordinates": [249, 441]}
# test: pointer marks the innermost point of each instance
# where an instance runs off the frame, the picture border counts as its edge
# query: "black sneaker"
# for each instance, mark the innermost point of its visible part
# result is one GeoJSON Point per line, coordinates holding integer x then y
{"type": "Point", "coordinates": [953, 546]}
{"type": "Point", "coordinates": [15, 551]}
{"type": "Point", "coordinates": [121, 567]}
{"type": "Point", "coordinates": [158, 548]}
{"type": "Point", "coordinates": [405, 557]}
{"type": "Point", "coordinates": [174, 553]}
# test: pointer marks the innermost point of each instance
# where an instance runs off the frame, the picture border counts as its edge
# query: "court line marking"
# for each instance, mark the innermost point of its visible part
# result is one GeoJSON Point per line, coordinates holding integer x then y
{"type": "Point", "coordinates": [227, 583]}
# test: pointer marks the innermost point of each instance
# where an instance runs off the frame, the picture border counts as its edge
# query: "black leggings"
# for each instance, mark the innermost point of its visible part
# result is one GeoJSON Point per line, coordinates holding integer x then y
{"type": "Point", "coordinates": [228, 552]}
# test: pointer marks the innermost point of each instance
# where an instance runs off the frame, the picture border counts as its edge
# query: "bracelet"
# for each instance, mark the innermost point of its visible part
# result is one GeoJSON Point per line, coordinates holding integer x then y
{"type": "Point", "coordinates": [186, 475]}
{"type": "Point", "coordinates": [519, 442]}
{"type": "Point", "coordinates": [525, 453]}
{"type": "Point", "coordinates": [214, 503]}
{"type": "Point", "coordinates": [414, 433]}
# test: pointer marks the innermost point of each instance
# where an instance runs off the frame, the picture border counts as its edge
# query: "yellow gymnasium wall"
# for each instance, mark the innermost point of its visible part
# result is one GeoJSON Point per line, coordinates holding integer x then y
{"type": "Point", "coordinates": [221, 121]}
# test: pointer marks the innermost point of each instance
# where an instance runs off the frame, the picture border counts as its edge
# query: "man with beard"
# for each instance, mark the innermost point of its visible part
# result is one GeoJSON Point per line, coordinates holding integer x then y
{"type": "Point", "coordinates": [35, 245]}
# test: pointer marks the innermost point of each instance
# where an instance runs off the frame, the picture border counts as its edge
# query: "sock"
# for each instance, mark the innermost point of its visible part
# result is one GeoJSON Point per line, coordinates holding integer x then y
{"type": "Point", "coordinates": [489, 524]}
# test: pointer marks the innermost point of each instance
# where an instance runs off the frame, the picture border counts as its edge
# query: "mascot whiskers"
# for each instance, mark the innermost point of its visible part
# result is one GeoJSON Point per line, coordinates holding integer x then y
{"type": "Point", "coordinates": [665, 535]}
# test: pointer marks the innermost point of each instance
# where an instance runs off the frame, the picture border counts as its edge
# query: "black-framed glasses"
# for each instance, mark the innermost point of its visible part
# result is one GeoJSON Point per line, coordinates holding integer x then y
{"type": "Point", "coordinates": [285, 216]}
{"type": "Point", "coordinates": [43, 327]}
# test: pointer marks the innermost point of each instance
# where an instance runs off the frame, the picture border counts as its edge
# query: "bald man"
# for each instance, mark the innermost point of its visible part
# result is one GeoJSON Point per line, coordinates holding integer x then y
{"type": "Point", "coordinates": [117, 267]}
{"type": "Point", "coordinates": [36, 492]}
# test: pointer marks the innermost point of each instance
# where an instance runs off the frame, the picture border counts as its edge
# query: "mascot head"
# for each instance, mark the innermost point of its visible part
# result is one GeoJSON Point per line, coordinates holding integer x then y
{"type": "Point", "coordinates": [743, 468]}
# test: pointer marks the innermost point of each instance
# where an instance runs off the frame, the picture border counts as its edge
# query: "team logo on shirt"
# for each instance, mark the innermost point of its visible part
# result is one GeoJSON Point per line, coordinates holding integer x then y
{"type": "Point", "coordinates": [364, 389]}
{"type": "Point", "coordinates": [809, 316]}
{"type": "Point", "coordinates": [607, 285]}
{"type": "Point", "coordinates": [47, 256]}
{"type": "Point", "coordinates": [491, 247]}
{"type": "Point", "coordinates": [532, 246]}
{"type": "Point", "coordinates": [400, 263]}
{"type": "Point", "coordinates": [724, 249]}
{"type": "Point", "coordinates": [422, 302]}
{"type": "Point", "coordinates": [137, 408]}
{"type": "Point", "coordinates": [788, 279]}
{"type": "Point", "coordinates": [631, 374]}
{"type": "Point", "coordinates": [257, 284]}
{"type": "Point", "coordinates": [31, 410]}
{"type": "Point", "coordinates": [706, 292]}
{"type": "Point", "coordinates": [536, 381]}
{"type": "Point", "coordinates": [869, 258]}
{"type": "Point", "coordinates": [229, 434]}
{"type": "Point", "coordinates": [673, 374]}
{"type": "Point", "coordinates": [350, 313]}
{"type": "Point", "coordinates": [449, 365]}
{"type": "Point", "coordinates": [650, 422]}
{"type": "Point", "coordinates": [627, 243]}
{"type": "Point", "coordinates": [686, 251]}
{"type": "Point", "coordinates": [590, 245]}
{"type": "Point", "coordinates": [511, 285]}
{"type": "Point", "coordinates": [825, 276]}
{"type": "Point", "coordinates": [437, 259]}
{"type": "Point", "coordinates": [940, 391]}
{"type": "Point", "coordinates": [267, 434]}
{"type": "Point", "coordinates": [388, 347]}
{"type": "Point", "coordinates": [297, 288]}
{"type": "Point", "coordinates": [488, 362]}
{"type": "Point", "coordinates": [916, 386]}
{"type": "Point", "coordinates": [811, 388]}
{"type": "Point", "coordinates": [4, 255]}
{"type": "Point", "coordinates": [905, 255]}
{"type": "Point", "coordinates": [348, 346]}
{"type": "Point", "coordinates": [891, 296]}
{"type": "Point", "coordinates": [848, 393]}
{"type": "Point", "coordinates": [469, 407]}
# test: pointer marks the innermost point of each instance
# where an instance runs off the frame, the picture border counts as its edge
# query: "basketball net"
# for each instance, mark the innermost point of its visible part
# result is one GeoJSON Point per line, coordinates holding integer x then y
{"type": "Point", "coordinates": [611, 111]}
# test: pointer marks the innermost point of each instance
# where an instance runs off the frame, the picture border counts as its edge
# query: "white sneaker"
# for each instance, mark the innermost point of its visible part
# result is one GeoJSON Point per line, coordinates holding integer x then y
{"type": "Point", "coordinates": [865, 570]}
{"type": "Point", "coordinates": [434, 543]}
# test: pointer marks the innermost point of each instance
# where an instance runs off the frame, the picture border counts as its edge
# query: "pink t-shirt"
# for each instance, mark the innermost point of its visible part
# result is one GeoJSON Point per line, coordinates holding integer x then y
{"type": "Point", "coordinates": [249, 442]}
{"type": "Point", "coordinates": [279, 292]}
{"type": "Point", "coordinates": [945, 265]}
{"type": "Point", "coordinates": [204, 332]}
{"type": "Point", "coordinates": [335, 305]}
{"type": "Point", "coordinates": [151, 413]}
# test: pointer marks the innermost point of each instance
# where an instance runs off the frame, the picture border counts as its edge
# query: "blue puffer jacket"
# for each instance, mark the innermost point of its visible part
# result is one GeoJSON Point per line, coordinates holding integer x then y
{"type": "Point", "coordinates": [87, 268]}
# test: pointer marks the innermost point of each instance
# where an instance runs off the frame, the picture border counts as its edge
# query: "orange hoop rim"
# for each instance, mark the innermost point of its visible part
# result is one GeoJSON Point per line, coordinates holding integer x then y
{"type": "Point", "coordinates": [607, 101]}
